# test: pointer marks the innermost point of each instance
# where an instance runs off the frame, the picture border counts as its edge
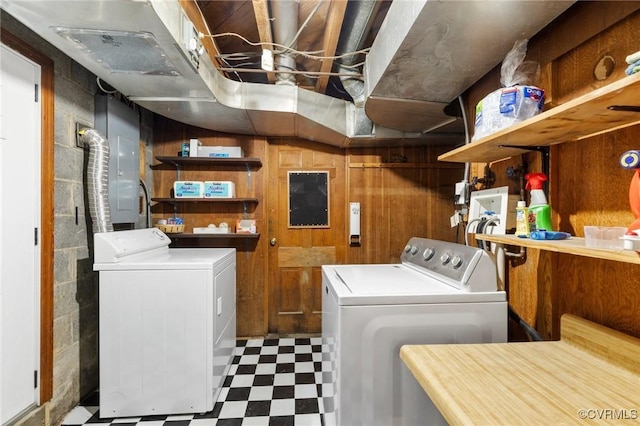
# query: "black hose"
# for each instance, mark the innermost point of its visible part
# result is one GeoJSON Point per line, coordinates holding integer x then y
{"type": "Point", "coordinates": [147, 203]}
{"type": "Point", "coordinates": [480, 230]}
{"type": "Point", "coordinates": [530, 331]}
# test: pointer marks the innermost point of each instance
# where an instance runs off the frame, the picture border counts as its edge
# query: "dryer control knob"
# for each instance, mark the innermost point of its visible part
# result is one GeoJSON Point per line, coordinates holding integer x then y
{"type": "Point", "coordinates": [428, 253]}
{"type": "Point", "coordinates": [445, 258]}
{"type": "Point", "coordinates": [158, 234]}
{"type": "Point", "coordinates": [407, 248]}
{"type": "Point", "coordinates": [414, 250]}
{"type": "Point", "coordinates": [457, 261]}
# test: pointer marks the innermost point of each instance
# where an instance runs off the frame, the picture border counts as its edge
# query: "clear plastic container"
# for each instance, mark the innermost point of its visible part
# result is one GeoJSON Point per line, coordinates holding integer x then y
{"type": "Point", "coordinates": [608, 237]}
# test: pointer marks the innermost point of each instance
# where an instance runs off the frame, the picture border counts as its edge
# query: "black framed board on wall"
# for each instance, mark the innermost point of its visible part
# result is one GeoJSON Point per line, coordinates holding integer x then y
{"type": "Point", "coordinates": [308, 199]}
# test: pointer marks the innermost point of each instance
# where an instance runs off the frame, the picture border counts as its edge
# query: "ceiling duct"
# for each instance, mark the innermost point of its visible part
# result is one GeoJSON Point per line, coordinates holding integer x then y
{"type": "Point", "coordinates": [359, 17]}
{"type": "Point", "coordinates": [428, 52]}
{"type": "Point", "coordinates": [284, 26]}
{"type": "Point", "coordinates": [425, 55]}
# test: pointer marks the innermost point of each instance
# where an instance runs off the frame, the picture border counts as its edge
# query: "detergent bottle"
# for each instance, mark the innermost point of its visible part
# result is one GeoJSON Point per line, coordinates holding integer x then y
{"type": "Point", "coordinates": [522, 219]}
{"type": "Point", "coordinates": [539, 210]}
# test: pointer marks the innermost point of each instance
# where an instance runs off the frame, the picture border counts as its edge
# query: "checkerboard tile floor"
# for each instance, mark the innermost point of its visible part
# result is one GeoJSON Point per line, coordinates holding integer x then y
{"type": "Point", "coordinates": [271, 382]}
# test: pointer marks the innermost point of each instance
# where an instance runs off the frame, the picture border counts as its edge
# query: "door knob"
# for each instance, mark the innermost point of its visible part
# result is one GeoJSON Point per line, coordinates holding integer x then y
{"type": "Point", "coordinates": [273, 241]}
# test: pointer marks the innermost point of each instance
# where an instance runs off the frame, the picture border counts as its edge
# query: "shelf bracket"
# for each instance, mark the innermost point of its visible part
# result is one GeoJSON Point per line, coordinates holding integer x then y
{"type": "Point", "coordinates": [627, 108]}
{"type": "Point", "coordinates": [542, 149]}
{"type": "Point", "coordinates": [176, 165]}
{"type": "Point", "coordinates": [248, 175]}
{"type": "Point", "coordinates": [517, 258]}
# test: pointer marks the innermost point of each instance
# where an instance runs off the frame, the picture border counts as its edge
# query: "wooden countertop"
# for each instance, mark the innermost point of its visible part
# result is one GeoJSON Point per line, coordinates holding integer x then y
{"type": "Point", "coordinates": [591, 375]}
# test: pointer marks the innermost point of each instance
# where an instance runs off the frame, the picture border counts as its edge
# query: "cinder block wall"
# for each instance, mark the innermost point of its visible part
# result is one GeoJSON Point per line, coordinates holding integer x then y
{"type": "Point", "coordinates": [75, 324]}
{"type": "Point", "coordinates": [75, 354]}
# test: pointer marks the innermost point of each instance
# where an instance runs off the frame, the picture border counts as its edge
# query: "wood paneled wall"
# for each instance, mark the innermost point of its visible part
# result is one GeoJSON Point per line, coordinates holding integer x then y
{"type": "Point", "coordinates": [404, 192]}
{"type": "Point", "coordinates": [587, 187]}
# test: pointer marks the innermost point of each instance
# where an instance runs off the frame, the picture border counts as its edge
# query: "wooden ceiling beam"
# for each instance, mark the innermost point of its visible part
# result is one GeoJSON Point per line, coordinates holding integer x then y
{"type": "Point", "coordinates": [261, 10]}
{"type": "Point", "coordinates": [335, 17]}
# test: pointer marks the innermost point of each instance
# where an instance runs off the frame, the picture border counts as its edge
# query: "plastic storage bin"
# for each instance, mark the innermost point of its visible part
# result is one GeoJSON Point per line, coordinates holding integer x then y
{"type": "Point", "coordinates": [607, 237]}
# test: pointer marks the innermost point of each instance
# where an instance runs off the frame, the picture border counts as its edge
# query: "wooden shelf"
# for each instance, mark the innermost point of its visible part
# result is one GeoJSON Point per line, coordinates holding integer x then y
{"type": "Point", "coordinates": [573, 245]}
{"type": "Point", "coordinates": [206, 161]}
{"type": "Point", "coordinates": [229, 164]}
{"type": "Point", "coordinates": [378, 165]}
{"type": "Point", "coordinates": [580, 118]}
{"type": "Point", "coordinates": [192, 236]}
{"type": "Point", "coordinates": [205, 200]}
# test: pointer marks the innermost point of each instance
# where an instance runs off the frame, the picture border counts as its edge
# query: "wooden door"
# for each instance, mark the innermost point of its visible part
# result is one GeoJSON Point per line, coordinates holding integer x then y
{"type": "Point", "coordinates": [296, 254]}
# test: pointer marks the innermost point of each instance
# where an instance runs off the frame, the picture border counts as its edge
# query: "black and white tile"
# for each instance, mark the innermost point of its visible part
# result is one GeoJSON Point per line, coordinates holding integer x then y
{"type": "Point", "coordinates": [271, 382]}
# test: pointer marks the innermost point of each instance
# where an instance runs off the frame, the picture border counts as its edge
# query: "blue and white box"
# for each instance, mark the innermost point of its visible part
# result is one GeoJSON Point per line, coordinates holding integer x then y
{"type": "Point", "coordinates": [220, 151]}
{"type": "Point", "coordinates": [185, 150]}
{"type": "Point", "coordinates": [223, 189]}
{"type": "Point", "coordinates": [188, 189]}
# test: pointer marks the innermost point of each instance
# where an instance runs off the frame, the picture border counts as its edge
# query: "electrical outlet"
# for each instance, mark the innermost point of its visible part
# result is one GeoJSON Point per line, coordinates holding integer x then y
{"type": "Point", "coordinates": [461, 191]}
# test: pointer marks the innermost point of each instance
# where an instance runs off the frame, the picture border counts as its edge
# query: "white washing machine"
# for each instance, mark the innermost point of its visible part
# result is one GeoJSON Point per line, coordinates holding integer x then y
{"type": "Point", "coordinates": [441, 292]}
{"type": "Point", "coordinates": [167, 323]}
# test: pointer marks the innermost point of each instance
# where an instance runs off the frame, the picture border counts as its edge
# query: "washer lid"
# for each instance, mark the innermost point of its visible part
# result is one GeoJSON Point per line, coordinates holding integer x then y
{"type": "Point", "coordinates": [389, 280]}
{"type": "Point", "coordinates": [172, 259]}
{"type": "Point", "coordinates": [395, 284]}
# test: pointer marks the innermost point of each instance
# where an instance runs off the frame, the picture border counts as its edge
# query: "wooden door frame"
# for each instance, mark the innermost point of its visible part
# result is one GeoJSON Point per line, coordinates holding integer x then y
{"type": "Point", "coordinates": [46, 207]}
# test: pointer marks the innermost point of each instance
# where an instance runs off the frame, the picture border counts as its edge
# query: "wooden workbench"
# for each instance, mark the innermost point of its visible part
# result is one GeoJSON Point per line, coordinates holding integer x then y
{"type": "Point", "coordinates": [592, 375]}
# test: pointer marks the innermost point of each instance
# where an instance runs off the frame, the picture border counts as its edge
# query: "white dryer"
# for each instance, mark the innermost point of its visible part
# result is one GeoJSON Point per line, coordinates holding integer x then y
{"type": "Point", "coordinates": [440, 293]}
{"type": "Point", "coordinates": [167, 323]}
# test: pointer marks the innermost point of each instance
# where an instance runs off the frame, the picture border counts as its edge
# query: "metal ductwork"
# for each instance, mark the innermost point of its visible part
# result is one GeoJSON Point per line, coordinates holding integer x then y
{"type": "Point", "coordinates": [425, 55]}
{"type": "Point", "coordinates": [284, 26]}
{"type": "Point", "coordinates": [428, 52]}
{"type": "Point", "coordinates": [98, 180]}
{"type": "Point", "coordinates": [359, 15]}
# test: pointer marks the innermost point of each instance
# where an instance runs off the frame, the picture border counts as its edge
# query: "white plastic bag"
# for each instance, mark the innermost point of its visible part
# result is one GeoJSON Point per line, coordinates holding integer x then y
{"type": "Point", "coordinates": [515, 70]}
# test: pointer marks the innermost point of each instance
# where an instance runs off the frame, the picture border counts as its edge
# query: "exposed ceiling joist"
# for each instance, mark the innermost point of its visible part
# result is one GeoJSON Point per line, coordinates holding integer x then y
{"type": "Point", "coordinates": [420, 56]}
{"type": "Point", "coordinates": [335, 18]}
{"type": "Point", "coordinates": [263, 22]}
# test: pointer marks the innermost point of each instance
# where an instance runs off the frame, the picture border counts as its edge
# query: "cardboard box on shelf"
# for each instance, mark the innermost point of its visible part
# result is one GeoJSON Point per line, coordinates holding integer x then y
{"type": "Point", "coordinates": [220, 151]}
{"type": "Point", "coordinates": [188, 189]}
{"type": "Point", "coordinates": [212, 230]}
{"type": "Point", "coordinates": [194, 144]}
{"type": "Point", "coordinates": [184, 152]}
{"type": "Point", "coordinates": [245, 226]}
{"type": "Point", "coordinates": [223, 189]}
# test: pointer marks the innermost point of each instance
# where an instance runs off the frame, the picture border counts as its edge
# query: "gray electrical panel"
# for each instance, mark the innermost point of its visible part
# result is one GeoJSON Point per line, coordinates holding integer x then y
{"type": "Point", "coordinates": [120, 125]}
